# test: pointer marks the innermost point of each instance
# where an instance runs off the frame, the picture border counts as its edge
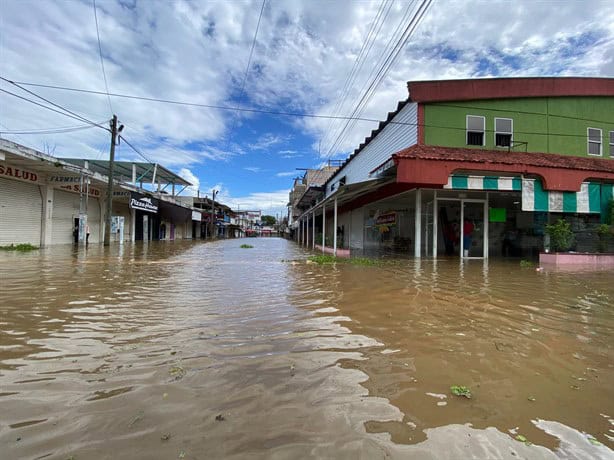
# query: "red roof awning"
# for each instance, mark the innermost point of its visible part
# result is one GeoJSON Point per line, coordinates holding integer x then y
{"type": "Point", "coordinates": [427, 165]}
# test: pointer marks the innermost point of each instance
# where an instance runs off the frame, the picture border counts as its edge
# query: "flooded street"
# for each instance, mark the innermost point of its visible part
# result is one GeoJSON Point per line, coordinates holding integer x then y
{"type": "Point", "coordinates": [207, 350]}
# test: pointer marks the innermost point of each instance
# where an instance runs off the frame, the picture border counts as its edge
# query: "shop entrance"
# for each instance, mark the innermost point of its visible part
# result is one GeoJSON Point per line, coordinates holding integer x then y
{"type": "Point", "coordinates": [460, 228]}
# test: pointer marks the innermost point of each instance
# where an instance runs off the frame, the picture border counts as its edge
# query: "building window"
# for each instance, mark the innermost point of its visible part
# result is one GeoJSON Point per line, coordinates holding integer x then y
{"type": "Point", "coordinates": [594, 141]}
{"type": "Point", "coordinates": [503, 132]}
{"type": "Point", "coordinates": [612, 144]}
{"type": "Point", "coordinates": [475, 130]}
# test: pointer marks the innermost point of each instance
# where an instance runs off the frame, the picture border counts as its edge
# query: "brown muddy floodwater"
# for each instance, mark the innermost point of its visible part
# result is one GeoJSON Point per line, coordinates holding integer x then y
{"type": "Point", "coordinates": [207, 351]}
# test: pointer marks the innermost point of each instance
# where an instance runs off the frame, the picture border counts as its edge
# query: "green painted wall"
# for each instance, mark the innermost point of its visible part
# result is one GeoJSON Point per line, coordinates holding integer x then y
{"type": "Point", "coordinates": [552, 125]}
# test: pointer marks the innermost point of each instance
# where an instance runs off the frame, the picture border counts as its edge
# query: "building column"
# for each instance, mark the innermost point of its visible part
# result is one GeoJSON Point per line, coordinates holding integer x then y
{"type": "Point", "coordinates": [335, 228]}
{"type": "Point", "coordinates": [323, 226]}
{"type": "Point", "coordinates": [418, 224]}
{"type": "Point", "coordinates": [132, 225]}
{"type": "Point", "coordinates": [46, 192]}
{"type": "Point", "coordinates": [313, 229]}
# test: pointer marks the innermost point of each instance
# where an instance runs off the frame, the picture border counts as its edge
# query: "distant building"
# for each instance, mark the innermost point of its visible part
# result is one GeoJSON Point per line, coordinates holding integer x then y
{"type": "Point", "coordinates": [507, 154]}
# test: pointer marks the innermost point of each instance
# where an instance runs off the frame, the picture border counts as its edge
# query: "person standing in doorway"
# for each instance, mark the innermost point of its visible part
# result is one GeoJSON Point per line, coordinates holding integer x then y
{"type": "Point", "coordinates": [467, 236]}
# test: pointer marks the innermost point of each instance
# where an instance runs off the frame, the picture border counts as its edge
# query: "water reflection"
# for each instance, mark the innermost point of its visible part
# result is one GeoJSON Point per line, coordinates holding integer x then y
{"type": "Point", "coordinates": [210, 349]}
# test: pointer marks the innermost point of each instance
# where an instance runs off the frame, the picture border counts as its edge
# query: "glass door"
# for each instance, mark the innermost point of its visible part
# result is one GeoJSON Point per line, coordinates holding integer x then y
{"type": "Point", "coordinates": [474, 229]}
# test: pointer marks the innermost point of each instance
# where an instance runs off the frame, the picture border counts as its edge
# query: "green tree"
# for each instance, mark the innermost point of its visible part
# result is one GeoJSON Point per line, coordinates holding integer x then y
{"type": "Point", "coordinates": [268, 220]}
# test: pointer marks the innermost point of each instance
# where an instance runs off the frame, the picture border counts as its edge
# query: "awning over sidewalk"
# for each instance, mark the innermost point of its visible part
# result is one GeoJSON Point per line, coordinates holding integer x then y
{"type": "Point", "coordinates": [535, 198]}
{"type": "Point", "coordinates": [431, 166]}
{"type": "Point", "coordinates": [467, 182]}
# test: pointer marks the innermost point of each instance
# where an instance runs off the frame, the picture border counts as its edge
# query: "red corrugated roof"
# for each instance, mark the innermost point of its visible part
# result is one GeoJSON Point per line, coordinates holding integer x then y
{"type": "Point", "coordinates": [550, 160]}
{"type": "Point", "coordinates": [501, 88]}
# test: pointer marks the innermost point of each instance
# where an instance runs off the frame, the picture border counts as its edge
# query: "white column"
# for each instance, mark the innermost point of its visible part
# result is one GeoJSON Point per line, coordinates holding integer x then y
{"type": "Point", "coordinates": [132, 225]}
{"type": "Point", "coordinates": [134, 174]}
{"type": "Point", "coordinates": [335, 229]}
{"type": "Point", "coordinates": [418, 224]}
{"type": "Point", "coordinates": [313, 229]}
{"type": "Point", "coordinates": [323, 226]}
{"type": "Point", "coordinates": [435, 223]}
{"type": "Point", "coordinates": [485, 226]}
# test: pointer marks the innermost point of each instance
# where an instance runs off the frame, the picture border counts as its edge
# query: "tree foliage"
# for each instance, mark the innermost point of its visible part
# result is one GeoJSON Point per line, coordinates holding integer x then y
{"type": "Point", "coordinates": [268, 220]}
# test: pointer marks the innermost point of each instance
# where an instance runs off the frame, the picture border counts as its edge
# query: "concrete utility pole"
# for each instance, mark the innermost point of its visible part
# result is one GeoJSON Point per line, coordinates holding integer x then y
{"type": "Point", "coordinates": [107, 230]}
{"type": "Point", "coordinates": [213, 214]}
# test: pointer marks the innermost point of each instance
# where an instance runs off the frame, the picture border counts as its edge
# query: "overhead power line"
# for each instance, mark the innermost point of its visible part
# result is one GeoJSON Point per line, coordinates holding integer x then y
{"type": "Point", "coordinates": [249, 61]}
{"type": "Point", "coordinates": [48, 130]}
{"type": "Point", "coordinates": [46, 107]}
{"type": "Point", "coordinates": [279, 113]}
{"type": "Point", "coordinates": [104, 74]}
{"type": "Point", "coordinates": [68, 113]}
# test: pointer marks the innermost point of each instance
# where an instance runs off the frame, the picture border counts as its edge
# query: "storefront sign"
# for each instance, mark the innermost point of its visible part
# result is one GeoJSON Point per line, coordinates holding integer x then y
{"type": "Point", "coordinates": [18, 173]}
{"type": "Point", "coordinates": [196, 216]}
{"type": "Point", "coordinates": [143, 203]}
{"type": "Point", "coordinates": [386, 219]}
{"type": "Point", "coordinates": [65, 179]}
{"type": "Point", "coordinates": [76, 188]}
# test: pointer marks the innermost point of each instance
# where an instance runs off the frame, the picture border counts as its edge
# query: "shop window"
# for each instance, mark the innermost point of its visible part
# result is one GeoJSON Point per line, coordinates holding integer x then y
{"type": "Point", "coordinates": [475, 130]}
{"type": "Point", "coordinates": [612, 144]}
{"type": "Point", "coordinates": [594, 141]}
{"type": "Point", "coordinates": [503, 132]}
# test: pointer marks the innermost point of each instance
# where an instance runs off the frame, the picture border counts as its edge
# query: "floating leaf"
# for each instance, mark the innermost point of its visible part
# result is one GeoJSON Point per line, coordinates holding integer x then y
{"type": "Point", "coordinates": [522, 438]}
{"type": "Point", "coordinates": [593, 441]}
{"type": "Point", "coordinates": [461, 390]}
{"type": "Point", "coordinates": [531, 398]}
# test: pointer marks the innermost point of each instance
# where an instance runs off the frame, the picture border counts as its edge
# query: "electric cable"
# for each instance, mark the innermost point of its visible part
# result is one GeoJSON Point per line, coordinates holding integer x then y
{"type": "Point", "coordinates": [104, 74]}
{"type": "Point", "coordinates": [249, 61]}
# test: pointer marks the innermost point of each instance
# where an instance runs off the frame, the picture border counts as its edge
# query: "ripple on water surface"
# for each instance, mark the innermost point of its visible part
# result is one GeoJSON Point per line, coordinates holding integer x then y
{"type": "Point", "coordinates": [161, 349]}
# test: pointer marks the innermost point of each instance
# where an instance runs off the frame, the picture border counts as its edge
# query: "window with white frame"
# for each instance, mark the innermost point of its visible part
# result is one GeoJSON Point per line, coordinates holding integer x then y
{"type": "Point", "coordinates": [594, 141]}
{"type": "Point", "coordinates": [612, 144]}
{"type": "Point", "coordinates": [504, 132]}
{"type": "Point", "coordinates": [475, 130]}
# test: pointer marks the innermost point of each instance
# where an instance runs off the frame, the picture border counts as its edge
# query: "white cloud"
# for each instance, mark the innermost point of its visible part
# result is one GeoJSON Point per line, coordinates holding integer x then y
{"type": "Point", "coordinates": [197, 52]}
{"type": "Point", "coordinates": [190, 177]}
{"type": "Point", "coordinates": [254, 169]}
{"type": "Point", "coordinates": [286, 174]}
{"type": "Point", "coordinates": [268, 140]}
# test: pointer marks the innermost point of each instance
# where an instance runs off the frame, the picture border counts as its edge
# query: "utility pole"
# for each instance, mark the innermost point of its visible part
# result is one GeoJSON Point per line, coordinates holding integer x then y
{"type": "Point", "coordinates": [213, 215]}
{"type": "Point", "coordinates": [114, 131]}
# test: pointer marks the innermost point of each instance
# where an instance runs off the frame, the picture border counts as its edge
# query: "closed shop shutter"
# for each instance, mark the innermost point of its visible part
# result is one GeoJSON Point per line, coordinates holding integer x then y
{"type": "Point", "coordinates": [20, 213]}
{"type": "Point", "coordinates": [93, 219]}
{"type": "Point", "coordinates": [65, 210]}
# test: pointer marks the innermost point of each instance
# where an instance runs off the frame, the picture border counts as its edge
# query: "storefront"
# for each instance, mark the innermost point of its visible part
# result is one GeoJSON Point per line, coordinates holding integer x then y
{"type": "Point", "coordinates": [21, 205]}
{"type": "Point", "coordinates": [145, 211]}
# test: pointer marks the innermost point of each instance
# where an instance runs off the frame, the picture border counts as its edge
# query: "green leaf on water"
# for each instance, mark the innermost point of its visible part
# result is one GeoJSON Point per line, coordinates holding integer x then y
{"type": "Point", "coordinates": [461, 390]}
{"type": "Point", "coordinates": [593, 441]}
{"type": "Point", "coordinates": [522, 438]}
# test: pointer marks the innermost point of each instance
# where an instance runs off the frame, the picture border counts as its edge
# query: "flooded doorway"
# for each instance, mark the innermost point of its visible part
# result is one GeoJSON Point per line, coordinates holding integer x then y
{"type": "Point", "coordinates": [460, 228]}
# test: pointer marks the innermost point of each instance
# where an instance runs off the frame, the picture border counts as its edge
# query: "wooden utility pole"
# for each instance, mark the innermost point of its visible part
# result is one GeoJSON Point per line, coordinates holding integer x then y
{"type": "Point", "coordinates": [107, 230]}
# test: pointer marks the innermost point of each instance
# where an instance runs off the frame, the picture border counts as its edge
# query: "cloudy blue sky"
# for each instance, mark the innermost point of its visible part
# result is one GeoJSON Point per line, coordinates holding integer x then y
{"type": "Point", "coordinates": [311, 57]}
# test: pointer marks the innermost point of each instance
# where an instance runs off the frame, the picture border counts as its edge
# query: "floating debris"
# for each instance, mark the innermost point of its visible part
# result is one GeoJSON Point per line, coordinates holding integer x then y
{"type": "Point", "coordinates": [136, 418]}
{"type": "Point", "coordinates": [219, 418]}
{"type": "Point", "coordinates": [531, 398]}
{"type": "Point", "coordinates": [461, 390]}
{"type": "Point", "coordinates": [165, 437]}
{"type": "Point", "coordinates": [177, 372]}
{"type": "Point", "coordinates": [522, 438]}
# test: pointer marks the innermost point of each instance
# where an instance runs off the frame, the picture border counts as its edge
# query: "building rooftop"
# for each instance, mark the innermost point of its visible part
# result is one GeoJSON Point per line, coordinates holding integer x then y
{"type": "Point", "coordinates": [482, 156]}
{"type": "Point", "coordinates": [501, 88]}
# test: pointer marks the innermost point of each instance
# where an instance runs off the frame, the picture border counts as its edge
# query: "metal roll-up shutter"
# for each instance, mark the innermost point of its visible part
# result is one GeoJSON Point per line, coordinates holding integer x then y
{"type": "Point", "coordinates": [93, 219]}
{"type": "Point", "coordinates": [20, 213]}
{"type": "Point", "coordinates": [65, 210]}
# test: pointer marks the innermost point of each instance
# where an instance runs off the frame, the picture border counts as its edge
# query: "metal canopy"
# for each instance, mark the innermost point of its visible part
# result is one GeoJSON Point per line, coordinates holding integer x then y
{"type": "Point", "coordinates": [123, 171]}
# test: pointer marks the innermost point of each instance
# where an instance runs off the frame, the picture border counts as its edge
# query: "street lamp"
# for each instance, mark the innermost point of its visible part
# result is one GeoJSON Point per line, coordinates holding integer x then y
{"type": "Point", "coordinates": [215, 192]}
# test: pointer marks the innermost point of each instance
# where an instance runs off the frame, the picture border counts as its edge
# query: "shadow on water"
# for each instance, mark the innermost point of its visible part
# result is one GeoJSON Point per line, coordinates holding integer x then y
{"type": "Point", "coordinates": [199, 347]}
